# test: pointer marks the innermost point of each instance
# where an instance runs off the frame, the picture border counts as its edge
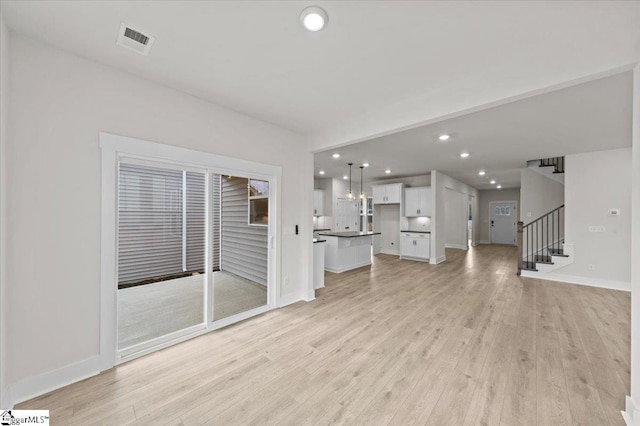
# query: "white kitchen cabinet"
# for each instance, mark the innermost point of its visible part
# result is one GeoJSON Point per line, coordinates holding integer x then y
{"type": "Point", "coordinates": [414, 245]}
{"type": "Point", "coordinates": [387, 194]}
{"type": "Point", "coordinates": [417, 201]}
{"type": "Point", "coordinates": [318, 202]}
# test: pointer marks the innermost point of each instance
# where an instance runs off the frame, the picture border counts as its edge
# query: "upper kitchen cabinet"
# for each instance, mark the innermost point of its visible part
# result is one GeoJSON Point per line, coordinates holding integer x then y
{"type": "Point", "coordinates": [417, 201]}
{"type": "Point", "coordinates": [387, 194]}
{"type": "Point", "coordinates": [318, 202]}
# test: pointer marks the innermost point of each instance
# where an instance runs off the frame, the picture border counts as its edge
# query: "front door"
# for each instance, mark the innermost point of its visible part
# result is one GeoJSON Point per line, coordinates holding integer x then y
{"type": "Point", "coordinates": [503, 223]}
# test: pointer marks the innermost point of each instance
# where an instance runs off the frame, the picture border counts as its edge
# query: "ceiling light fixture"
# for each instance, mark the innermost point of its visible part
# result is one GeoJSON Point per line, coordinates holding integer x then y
{"type": "Point", "coordinates": [365, 164]}
{"type": "Point", "coordinates": [499, 186]}
{"type": "Point", "coordinates": [387, 171]}
{"type": "Point", "coordinates": [481, 173]}
{"type": "Point", "coordinates": [321, 172]}
{"type": "Point", "coordinates": [493, 182]}
{"type": "Point", "coordinates": [345, 177]}
{"type": "Point", "coordinates": [464, 155]}
{"type": "Point", "coordinates": [314, 18]}
{"type": "Point", "coordinates": [444, 137]}
{"type": "Point", "coordinates": [336, 155]}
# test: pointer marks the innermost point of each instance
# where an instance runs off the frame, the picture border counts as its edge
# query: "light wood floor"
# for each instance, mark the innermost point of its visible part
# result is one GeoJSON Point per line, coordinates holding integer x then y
{"type": "Point", "coordinates": [402, 342]}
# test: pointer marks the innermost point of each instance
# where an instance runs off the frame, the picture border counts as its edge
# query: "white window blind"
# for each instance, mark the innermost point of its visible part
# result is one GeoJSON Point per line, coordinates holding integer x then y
{"type": "Point", "coordinates": [161, 222]}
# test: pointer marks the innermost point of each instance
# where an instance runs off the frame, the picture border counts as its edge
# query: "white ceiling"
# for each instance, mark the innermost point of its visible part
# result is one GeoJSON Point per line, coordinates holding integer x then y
{"type": "Point", "coordinates": [588, 117]}
{"type": "Point", "coordinates": [379, 67]}
{"type": "Point", "coordinates": [376, 67]}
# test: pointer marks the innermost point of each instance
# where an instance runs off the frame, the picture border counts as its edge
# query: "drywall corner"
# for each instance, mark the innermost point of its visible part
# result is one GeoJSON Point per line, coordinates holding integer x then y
{"type": "Point", "coordinates": [4, 114]}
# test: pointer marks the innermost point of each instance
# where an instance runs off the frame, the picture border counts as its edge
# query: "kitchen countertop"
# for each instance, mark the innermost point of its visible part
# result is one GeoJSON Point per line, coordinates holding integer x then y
{"type": "Point", "coordinates": [349, 234]}
{"type": "Point", "coordinates": [315, 240]}
{"type": "Point", "coordinates": [322, 229]}
{"type": "Point", "coordinates": [417, 232]}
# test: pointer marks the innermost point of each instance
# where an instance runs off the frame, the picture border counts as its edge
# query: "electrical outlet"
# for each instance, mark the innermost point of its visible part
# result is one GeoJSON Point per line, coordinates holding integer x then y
{"type": "Point", "coordinates": [591, 267]}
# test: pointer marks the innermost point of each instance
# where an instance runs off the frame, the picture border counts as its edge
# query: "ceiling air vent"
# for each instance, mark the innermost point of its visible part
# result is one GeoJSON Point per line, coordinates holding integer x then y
{"type": "Point", "coordinates": [134, 39]}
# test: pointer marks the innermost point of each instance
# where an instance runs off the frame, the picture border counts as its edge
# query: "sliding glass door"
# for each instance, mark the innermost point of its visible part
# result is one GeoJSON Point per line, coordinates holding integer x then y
{"type": "Point", "coordinates": [166, 217]}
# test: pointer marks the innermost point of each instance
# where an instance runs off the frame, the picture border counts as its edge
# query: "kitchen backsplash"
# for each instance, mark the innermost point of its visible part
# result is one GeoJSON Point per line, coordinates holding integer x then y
{"type": "Point", "coordinates": [419, 224]}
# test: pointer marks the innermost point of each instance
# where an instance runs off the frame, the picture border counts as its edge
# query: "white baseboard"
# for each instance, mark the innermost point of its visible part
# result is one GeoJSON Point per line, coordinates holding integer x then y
{"type": "Point", "coordinates": [436, 260]}
{"type": "Point", "coordinates": [573, 279]}
{"type": "Point", "coordinates": [52, 380]}
{"type": "Point", "coordinates": [5, 401]}
{"type": "Point", "coordinates": [347, 268]}
{"type": "Point", "coordinates": [483, 242]}
{"type": "Point", "coordinates": [389, 251]}
{"type": "Point", "coordinates": [456, 246]}
{"type": "Point", "coordinates": [631, 414]}
{"type": "Point", "coordinates": [289, 300]}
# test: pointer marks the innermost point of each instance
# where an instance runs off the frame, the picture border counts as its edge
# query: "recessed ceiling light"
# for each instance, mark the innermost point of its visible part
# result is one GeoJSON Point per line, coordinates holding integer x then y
{"type": "Point", "coordinates": [321, 172]}
{"type": "Point", "coordinates": [464, 155]}
{"type": "Point", "coordinates": [493, 182]}
{"type": "Point", "coordinates": [387, 171]}
{"type": "Point", "coordinates": [365, 164]}
{"type": "Point", "coordinates": [314, 18]}
{"type": "Point", "coordinates": [499, 186]}
{"type": "Point", "coordinates": [481, 173]}
{"type": "Point", "coordinates": [345, 177]}
{"type": "Point", "coordinates": [336, 155]}
{"type": "Point", "coordinates": [444, 137]}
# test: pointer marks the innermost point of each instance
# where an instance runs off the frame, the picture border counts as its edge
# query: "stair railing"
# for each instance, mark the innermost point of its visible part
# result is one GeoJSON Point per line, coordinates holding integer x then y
{"type": "Point", "coordinates": [556, 162]}
{"type": "Point", "coordinates": [539, 239]}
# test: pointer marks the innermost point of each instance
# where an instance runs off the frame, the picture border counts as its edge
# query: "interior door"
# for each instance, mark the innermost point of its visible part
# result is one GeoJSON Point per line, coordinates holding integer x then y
{"type": "Point", "coordinates": [503, 223]}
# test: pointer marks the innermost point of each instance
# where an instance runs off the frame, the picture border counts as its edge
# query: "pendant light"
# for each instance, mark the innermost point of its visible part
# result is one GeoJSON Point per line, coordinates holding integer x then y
{"type": "Point", "coordinates": [350, 194]}
{"type": "Point", "coordinates": [361, 180]}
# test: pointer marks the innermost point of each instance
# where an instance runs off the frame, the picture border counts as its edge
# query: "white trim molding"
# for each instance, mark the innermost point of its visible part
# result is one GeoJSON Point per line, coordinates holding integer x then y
{"type": "Point", "coordinates": [574, 279]}
{"type": "Point", "coordinates": [631, 413]}
{"type": "Point", "coordinates": [436, 260]}
{"type": "Point", "coordinates": [456, 246]}
{"type": "Point", "coordinates": [52, 380]}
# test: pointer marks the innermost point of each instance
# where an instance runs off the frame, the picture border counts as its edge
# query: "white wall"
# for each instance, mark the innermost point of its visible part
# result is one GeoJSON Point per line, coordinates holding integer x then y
{"type": "Point", "coordinates": [439, 183]}
{"type": "Point", "coordinates": [484, 214]}
{"type": "Point", "coordinates": [539, 195]}
{"type": "Point", "coordinates": [4, 85]}
{"type": "Point", "coordinates": [456, 207]}
{"type": "Point", "coordinates": [59, 104]}
{"type": "Point", "coordinates": [596, 182]}
{"type": "Point", "coordinates": [635, 249]}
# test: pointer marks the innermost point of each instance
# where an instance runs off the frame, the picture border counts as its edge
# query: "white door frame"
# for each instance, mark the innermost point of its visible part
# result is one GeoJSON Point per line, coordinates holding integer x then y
{"type": "Point", "coordinates": [113, 148]}
{"type": "Point", "coordinates": [491, 204]}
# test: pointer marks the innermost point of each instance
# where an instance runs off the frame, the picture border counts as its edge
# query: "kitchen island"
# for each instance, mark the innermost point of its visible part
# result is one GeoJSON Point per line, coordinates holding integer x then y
{"type": "Point", "coordinates": [345, 251]}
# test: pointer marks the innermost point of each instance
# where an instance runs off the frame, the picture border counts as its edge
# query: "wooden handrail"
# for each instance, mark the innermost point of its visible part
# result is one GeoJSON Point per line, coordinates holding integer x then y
{"type": "Point", "coordinates": [544, 215]}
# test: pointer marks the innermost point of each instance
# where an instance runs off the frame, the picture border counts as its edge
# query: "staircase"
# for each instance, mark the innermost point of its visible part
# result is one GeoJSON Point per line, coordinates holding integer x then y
{"type": "Point", "coordinates": [556, 162]}
{"type": "Point", "coordinates": [541, 243]}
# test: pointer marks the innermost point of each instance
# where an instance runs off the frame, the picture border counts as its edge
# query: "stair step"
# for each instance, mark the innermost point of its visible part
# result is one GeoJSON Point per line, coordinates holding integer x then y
{"type": "Point", "coordinates": [558, 171]}
{"type": "Point", "coordinates": [557, 252]}
{"type": "Point", "coordinates": [529, 266]}
{"type": "Point", "coordinates": [542, 259]}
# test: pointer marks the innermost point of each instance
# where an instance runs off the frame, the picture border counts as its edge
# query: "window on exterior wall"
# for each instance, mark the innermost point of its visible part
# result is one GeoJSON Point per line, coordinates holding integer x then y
{"type": "Point", "coordinates": [258, 202]}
